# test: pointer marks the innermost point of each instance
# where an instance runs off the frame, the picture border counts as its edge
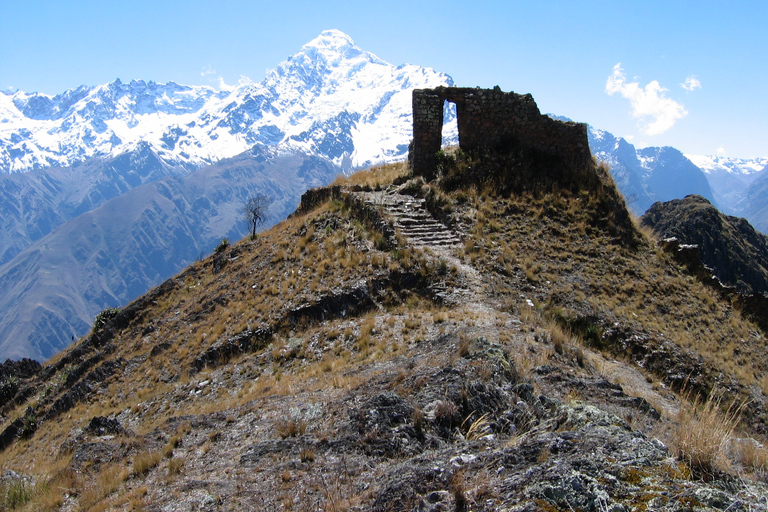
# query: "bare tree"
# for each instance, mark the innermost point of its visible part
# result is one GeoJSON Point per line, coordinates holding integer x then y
{"type": "Point", "coordinates": [255, 210]}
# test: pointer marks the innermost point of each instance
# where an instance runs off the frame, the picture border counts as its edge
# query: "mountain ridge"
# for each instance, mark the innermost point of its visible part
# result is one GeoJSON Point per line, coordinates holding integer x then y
{"type": "Point", "coordinates": [115, 252]}
{"type": "Point", "coordinates": [730, 246]}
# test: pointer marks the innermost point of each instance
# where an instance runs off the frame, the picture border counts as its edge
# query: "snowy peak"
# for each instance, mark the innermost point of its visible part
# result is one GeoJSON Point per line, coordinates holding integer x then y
{"type": "Point", "coordinates": [334, 47]}
{"type": "Point", "coordinates": [721, 164]}
{"type": "Point", "coordinates": [331, 99]}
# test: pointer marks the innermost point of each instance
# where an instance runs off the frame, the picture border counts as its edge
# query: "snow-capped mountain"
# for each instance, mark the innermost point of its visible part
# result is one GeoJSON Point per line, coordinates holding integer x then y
{"type": "Point", "coordinates": [650, 174]}
{"type": "Point", "coordinates": [722, 164]}
{"type": "Point", "coordinates": [106, 191]}
{"type": "Point", "coordinates": [731, 179]}
{"type": "Point", "coordinates": [331, 98]}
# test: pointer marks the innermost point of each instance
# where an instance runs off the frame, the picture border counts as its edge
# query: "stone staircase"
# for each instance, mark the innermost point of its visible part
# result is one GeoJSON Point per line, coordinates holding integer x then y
{"type": "Point", "coordinates": [421, 229]}
{"type": "Point", "coordinates": [412, 219]}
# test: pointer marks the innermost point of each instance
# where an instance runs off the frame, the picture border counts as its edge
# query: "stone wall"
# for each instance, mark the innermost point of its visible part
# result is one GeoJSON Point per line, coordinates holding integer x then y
{"type": "Point", "coordinates": [491, 120]}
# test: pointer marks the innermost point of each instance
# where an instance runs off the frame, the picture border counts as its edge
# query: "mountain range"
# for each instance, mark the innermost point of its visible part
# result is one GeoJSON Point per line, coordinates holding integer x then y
{"type": "Point", "coordinates": [120, 167]}
{"type": "Point", "coordinates": [331, 98]}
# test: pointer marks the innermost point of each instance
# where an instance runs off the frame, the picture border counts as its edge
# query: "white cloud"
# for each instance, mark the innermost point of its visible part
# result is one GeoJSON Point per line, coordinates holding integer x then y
{"type": "Point", "coordinates": [649, 102]}
{"type": "Point", "coordinates": [216, 80]}
{"type": "Point", "coordinates": [223, 86]}
{"type": "Point", "coordinates": [721, 151]}
{"type": "Point", "coordinates": [691, 84]}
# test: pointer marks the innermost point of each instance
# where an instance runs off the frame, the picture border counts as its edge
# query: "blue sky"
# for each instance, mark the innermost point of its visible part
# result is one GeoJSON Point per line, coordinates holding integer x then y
{"type": "Point", "coordinates": [687, 74]}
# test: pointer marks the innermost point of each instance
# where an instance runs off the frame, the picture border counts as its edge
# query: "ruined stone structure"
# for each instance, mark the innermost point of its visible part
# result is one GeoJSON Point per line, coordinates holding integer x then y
{"type": "Point", "coordinates": [495, 121]}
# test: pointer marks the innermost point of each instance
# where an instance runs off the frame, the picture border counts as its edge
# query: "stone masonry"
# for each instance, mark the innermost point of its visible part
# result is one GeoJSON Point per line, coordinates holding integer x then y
{"type": "Point", "coordinates": [495, 121]}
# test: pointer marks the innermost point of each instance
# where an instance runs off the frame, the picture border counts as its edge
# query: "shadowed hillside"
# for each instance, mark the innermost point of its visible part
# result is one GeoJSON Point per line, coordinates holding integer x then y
{"type": "Point", "coordinates": [729, 245]}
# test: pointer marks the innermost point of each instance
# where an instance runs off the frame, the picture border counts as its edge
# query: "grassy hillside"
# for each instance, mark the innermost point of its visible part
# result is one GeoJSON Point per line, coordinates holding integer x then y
{"type": "Point", "coordinates": [526, 359]}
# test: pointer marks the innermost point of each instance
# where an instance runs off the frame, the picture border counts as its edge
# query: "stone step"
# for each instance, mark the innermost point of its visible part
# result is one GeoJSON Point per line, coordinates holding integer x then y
{"type": "Point", "coordinates": [412, 219]}
{"type": "Point", "coordinates": [438, 240]}
{"type": "Point", "coordinates": [421, 229]}
{"type": "Point", "coordinates": [428, 233]}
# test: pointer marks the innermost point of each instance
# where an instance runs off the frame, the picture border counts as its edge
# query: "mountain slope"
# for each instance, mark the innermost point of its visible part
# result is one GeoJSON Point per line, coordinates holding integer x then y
{"type": "Point", "coordinates": [650, 174]}
{"type": "Point", "coordinates": [729, 245]}
{"type": "Point", "coordinates": [331, 98]}
{"type": "Point", "coordinates": [116, 252]}
{"type": "Point", "coordinates": [671, 175]}
{"type": "Point", "coordinates": [36, 202]}
{"type": "Point", "coordinates": [756, 208]}
{"type": "Point", "coordinates": [345, 360]}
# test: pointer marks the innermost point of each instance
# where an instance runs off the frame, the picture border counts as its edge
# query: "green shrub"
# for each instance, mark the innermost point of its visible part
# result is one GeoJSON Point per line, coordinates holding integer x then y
{"type": "Point", "coordinates": [29, 424]}
{"type": "Point", "coordinates": [15, 494]}
{"type": "Point", "coordinates": [105, 316]}
{"type": "Point", "coordinates": [222, 245]}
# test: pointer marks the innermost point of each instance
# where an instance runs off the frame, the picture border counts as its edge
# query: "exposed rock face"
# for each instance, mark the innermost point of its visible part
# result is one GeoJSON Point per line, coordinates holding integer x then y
{"type": "Point", "coordinates": [729, 245]}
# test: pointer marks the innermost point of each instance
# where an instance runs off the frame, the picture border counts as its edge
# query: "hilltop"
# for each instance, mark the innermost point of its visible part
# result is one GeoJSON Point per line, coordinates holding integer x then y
{"type": "Point", "coordinates": [497, 337]}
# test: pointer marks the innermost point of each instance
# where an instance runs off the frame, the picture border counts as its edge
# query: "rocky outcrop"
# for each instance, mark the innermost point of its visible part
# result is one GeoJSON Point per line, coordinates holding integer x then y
{"type": "Point", "coordinates": [730, 246]}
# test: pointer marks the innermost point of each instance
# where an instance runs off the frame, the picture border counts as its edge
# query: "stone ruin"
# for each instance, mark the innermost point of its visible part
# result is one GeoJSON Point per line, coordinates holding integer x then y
{"type": "Point", "coordinates": [491, 120]}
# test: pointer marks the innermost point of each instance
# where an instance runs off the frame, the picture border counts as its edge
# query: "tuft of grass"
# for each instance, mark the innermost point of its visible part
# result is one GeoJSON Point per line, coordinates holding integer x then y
{"type": "Point", "coordinates": [702, 433]}
{"type": "Point", "coordinates": [109, 479]}
{"type": "Point", "coordinates": [222, 245]}
{"type": "Point", "coordinates": [307, 454]}
{"type": "Point", "coordinates": [145, 461]}
{"type": "Point", "coordinates": [375, 177]}
{"type": "Point", "coordinates": [175, 465]}
{"type": "Point", "coordinates": [291, 428]}
{"type": "Point", "coordinates": [15, 493]}
{"type": "Point", "coordinates": [478, 429]}
{"type": "Point", "coordinates": [752, 456]}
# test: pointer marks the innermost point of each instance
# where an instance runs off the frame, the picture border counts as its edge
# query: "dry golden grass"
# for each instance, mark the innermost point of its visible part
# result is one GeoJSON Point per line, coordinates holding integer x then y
{"type": "Point", "coordinates": [107, 481]}
{"type": "Point", "coordinates": [375, 177]}
{"type": "Point", "coordinates": [174, 466]}
{"type": "Point", "coordinates": [144, 461]}
{"type": "Point", "coordinates": [702, 433]}
{"type": "Point", "coordinates": [537, 239]}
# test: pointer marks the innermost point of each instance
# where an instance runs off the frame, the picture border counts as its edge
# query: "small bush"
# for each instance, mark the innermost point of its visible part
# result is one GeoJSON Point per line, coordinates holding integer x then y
{"type": "Point", "coordinates": [381, 243]}
{"type": "Point", "coordinates": [175, 465]}
{"type": "Point", "coordinates": [105, 316]}
{"type": "Point", "coordinates": [477, 429]}
{"type": "Point", "coordinates": [291, 428]}
{"type": "Point", "coordinates": [418, 421]}
{"type": "Point", "coordinates": [145, 461]}
{"type": "Point", "coordinates": [29, 424]}
{"type": "Point", "coordinates": [15, 494]}
{"type": "Point", "coordinates": [222, 245]}
{"type": "Point", "coordinates": [307, 455]}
